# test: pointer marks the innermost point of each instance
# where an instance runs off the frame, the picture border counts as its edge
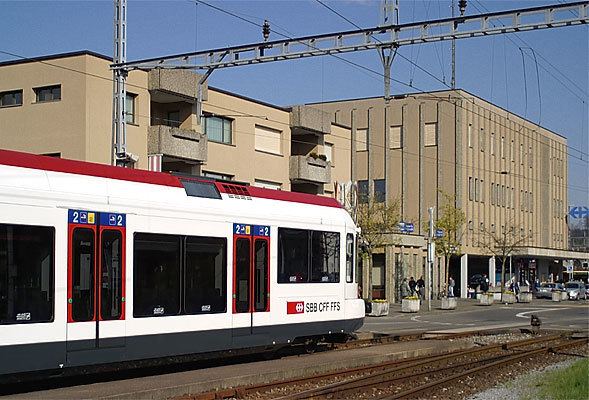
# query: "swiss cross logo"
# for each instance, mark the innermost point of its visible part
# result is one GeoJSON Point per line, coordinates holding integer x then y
{"type": "Point", "coordinates": [295, 307]}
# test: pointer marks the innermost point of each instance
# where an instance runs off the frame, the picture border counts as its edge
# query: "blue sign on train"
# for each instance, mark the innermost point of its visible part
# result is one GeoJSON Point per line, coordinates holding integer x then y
{"type": "Point", "coordinates": [113, 219]}
{"type": "Point", "coordinates": [81, 217]}
{"type": "Point", "coordinates": [261, 230]}
{"type": "Point", "coordinates": [256, 230]}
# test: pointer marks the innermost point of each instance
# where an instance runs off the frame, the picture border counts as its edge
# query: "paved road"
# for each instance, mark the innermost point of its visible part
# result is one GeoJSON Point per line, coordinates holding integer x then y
{"type": "Point", "coordinates": [469, 314]}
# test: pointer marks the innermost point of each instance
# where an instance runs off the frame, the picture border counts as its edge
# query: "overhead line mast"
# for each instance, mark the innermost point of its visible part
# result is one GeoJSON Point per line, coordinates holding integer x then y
{"type": "Point", "coordinates": [382, 38]}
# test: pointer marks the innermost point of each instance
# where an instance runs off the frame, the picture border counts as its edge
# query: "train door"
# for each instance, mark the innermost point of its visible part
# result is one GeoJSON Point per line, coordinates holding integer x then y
{"type": "Point", "coordinates": [251, 284]}
{"type": "Point", "coordinates": [96, 281]}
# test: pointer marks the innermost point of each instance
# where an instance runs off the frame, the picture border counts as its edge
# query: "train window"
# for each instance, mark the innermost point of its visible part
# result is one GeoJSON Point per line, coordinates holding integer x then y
{"type": "Point", "coordinates": [26, 273]}
{"type": "Point", "coordinates": [200, 189]}
{"type": "Point", "coordinates": [293, 255]}
{"type": "Point", "coordinates": [261, 275]}
{"type": "Point", "coordinates": [325, 256]}
{"type": "Point", "coordinates": [205, 275]}
{"type": "Point", "coordinates": [83, 274]}
{"type": "Point", "coordinates": [111, 288]}
{"type": "Point", "coordinates": [242, 275]}
{"type": "Point", "coordinates": [349, 258]}
{"type": "Point", "coordinates": [156, 270]}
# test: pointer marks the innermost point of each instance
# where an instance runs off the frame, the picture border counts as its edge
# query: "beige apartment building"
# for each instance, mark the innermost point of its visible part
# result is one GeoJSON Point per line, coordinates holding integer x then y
{"type": "Point", "coordinates": [61, 105]}
{"type": "Point", "coordinates": [504, 171]}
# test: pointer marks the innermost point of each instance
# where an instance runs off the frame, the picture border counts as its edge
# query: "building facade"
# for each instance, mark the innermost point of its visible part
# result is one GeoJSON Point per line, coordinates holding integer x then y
{"type": "Point", "coordinates": [504, 171]}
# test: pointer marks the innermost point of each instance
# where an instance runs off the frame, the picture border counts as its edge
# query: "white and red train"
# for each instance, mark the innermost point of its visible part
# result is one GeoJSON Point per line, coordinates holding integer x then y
{"type": "Point", "coordinates": [100, 265]}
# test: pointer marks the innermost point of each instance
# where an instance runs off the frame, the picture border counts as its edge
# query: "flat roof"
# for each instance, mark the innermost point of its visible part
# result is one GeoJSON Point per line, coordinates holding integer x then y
{"type": "Point", "coordinates": [26, 60]}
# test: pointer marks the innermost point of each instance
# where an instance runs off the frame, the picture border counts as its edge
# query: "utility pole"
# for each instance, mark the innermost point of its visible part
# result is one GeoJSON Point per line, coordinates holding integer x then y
{"type": "Point", "coordinates": [431, 254]}
{"type": "Point", "coordinates": [390, 16]}
{"type": "Point", "coordinates": [119, 155]}
{"type": "Point", "coordinates": [453, 80]}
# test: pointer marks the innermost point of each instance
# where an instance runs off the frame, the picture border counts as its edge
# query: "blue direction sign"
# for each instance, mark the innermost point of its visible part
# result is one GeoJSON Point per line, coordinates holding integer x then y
{"type": "Point", "coordinates": [439, 233]}
{"type": "Point", "coordinates": [409, 227]}
{"type": "Point", "coordinates": [579, 212]}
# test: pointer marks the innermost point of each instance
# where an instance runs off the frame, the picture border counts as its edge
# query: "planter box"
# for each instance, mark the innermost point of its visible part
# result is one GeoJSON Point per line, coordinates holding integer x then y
{"type": "Point", "coordinates": [409, 305]}
{"type": "Point", "coordinates": [487, 299]}
{"type": "Point", "coordinates": [449, 303]}
{"type": "Point", "coordinates": [508, 298]}
{"type": "Point", "coordinates": [497, 296]}
{"type": "Point", "coordinates": [525, 297]}
{"type": "Point", "coordinates": [564, 295]}
{"type": "Point", "coordinates": [379, 309]}
{"type": "Point", "coordinates": [556, 296]}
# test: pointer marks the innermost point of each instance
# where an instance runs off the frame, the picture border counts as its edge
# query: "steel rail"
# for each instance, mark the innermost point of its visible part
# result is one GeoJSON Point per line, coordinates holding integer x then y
{"type": "Point", "coordinates": [410, 363]}
{"type": "Point", "coordinates": [505, 361]}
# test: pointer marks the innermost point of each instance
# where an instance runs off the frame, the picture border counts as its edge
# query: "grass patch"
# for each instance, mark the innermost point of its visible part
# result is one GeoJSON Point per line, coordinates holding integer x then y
{"type": "Point", "coordinates": [571, 383]}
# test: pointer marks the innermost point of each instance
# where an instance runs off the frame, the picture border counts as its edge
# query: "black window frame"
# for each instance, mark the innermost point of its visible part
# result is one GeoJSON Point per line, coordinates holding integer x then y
{"type": "Point", "coordinates": [219, 305]}
{"type": "Point", "coordinates": [155, 304]}
{"type": "Point", "coordinates": [53, 90]}
{"type": "Point", "coordinates": [303, 254]}
{"type": "Point", "coordinates": [182, 255]}
{"type": "Point", "coordinates": [24, 317]}
{"type": "Point", "coordinates": [380, 190]}
{"type": "Point", "coordinates": [350, 257]}
{"type": "Point", "coordinates": [17, 102]}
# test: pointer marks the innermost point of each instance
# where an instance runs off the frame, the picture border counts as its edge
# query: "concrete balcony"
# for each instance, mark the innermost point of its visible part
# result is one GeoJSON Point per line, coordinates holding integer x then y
{"type": "Point", "coordinates": [305, 120]}
{"type": "Point", "coordinates": [167, 86]}
{"type": "Point", "coordinates": [305, 169]}
{"type": "Point", "coordinates": [177, 143]}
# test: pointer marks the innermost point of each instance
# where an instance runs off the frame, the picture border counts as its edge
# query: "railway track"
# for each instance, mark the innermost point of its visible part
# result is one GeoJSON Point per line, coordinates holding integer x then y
{"type": "Point", "coordinates": [408, 378]}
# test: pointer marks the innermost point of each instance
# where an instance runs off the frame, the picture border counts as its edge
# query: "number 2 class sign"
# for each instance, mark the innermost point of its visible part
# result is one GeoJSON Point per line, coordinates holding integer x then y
{"type": "Point", "coordinates": [255, 230]}
{"type": "Point", "coordinates": [84, 217]}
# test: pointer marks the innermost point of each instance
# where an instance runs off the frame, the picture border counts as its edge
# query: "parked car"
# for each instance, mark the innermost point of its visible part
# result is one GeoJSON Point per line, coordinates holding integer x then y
{"type": "Point", "coordinates": [545, 290]}
{"type": "Point", "coordinates": [576, 290]}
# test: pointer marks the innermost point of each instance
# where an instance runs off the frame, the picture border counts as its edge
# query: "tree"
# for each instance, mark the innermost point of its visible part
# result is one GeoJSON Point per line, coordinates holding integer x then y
{"type": "Point", "coordinates": [451, 220]}
{"type": "Point", "coordinates": [378, 221]}
{"type": "Point", "coordinates": [503, 243]}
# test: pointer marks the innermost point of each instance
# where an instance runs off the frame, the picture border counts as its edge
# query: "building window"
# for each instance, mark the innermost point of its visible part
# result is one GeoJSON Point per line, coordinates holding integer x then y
{"type": "Point", "coordinates": [470, 189]}
{"type": "Point", "coordinates": [511, 151]}
{"type": "Point", "coordinates": [216, 175]}
{"type": "Point", "coordinates": [362, 139]}
{"type": "Point", "coordinates": [492, 144]}
{"type": "Point", "coordinates": [130, 100]}
{"type": "Point", "coordinates": [482, 187]}
{"type": "Point", "coordinates": [396, 137]}
{"type": "Point", "coordinates": [431, 134]}
{"type": "Point", "coordinates": [328, 150]}
{"type": "Point", "coordinates": [502, 147]}
{"type": "Point", "coordinates": [173, 119]}
{"type": "Point", "coordinates": [267, 184]}
{"type": "Point", "coordinates": [482, 138]}
{"type": "Point", "coordinates": [469, 135]}
{"type": "Point", "coordinates": [363, 191]}
{"type": "Point", "coordinates": [521, 154]}
{"type": "Point", "coordinates": [47, 93]}
{"type": "Point", "coordinates": [218, 129]}
{"type": "Point", "coordinates": [12, 98]}
{"type": "Point", "coordinates": [380, 190]}
{"type": "Point", "coordinates": [470, 225]}
{"type": "Point", "coordinates": [477, 190]}
{"type": "Point", "coordinates": [268, 140]}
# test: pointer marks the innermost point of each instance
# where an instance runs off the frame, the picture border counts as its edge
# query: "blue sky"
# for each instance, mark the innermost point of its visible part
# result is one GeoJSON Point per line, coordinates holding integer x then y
{"type": "Point", "coordinates": [488, 67]}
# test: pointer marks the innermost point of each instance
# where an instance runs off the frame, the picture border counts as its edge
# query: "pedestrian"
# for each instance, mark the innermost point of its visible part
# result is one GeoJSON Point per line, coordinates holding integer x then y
{"type": "Point", "coordinates": [412, 285]}
{"type": "Point", "coordinates": [451, 287]}
{"type": "Point", "coordinates": [485, 284]}
{"type": "Point", "coordinates": [421, 287]}
{"type": "Point", "coordinates": [405, 289]}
